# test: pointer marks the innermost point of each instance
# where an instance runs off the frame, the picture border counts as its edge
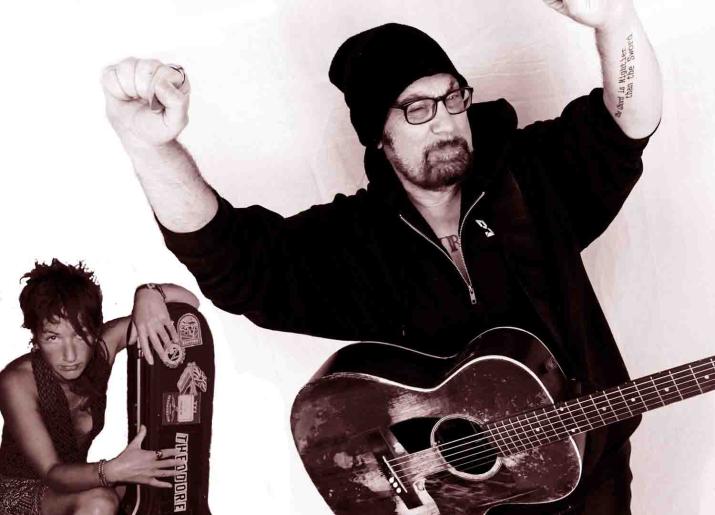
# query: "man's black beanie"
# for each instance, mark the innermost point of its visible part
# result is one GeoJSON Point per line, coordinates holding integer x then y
{"type": "Point", "coordinates": [373, 67]}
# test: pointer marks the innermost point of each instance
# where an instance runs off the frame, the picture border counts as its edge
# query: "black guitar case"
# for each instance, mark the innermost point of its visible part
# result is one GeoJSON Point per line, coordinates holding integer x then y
{"type": "Point", "coordinates": [174, 400]}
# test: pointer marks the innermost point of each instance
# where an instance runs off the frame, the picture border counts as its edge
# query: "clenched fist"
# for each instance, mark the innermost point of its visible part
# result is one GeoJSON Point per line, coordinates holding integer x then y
{"type": "Point", "coordinates": [592, 13]}
{"type": "Point", "coordinates": [147, 101]}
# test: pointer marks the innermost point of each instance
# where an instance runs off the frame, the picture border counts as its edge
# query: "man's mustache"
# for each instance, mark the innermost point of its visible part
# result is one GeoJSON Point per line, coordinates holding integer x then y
{"type": "Point", "coordinates": [441, 145]}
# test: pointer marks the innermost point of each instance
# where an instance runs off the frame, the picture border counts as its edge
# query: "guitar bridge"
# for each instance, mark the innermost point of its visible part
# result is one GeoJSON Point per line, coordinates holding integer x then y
{"type": "Point", "coordinates": [405, 492]}
{"type": "Point", "coordinates": [393, 478]}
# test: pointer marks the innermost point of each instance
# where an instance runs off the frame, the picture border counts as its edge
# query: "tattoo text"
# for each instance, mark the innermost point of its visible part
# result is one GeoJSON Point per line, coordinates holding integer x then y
{"type": "Point", "coordinates": [626, 75]}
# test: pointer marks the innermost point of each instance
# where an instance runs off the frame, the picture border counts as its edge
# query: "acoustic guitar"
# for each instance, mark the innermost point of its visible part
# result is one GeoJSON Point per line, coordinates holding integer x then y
{"type": "Point", "coordinates": [382, 429]}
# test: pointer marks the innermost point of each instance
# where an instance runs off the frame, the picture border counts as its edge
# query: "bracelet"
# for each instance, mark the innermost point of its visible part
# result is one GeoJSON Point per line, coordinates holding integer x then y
{"type": "Point", "coordinates": [100, 472]}
{"type": "Point", "coordinates": [154, 287]}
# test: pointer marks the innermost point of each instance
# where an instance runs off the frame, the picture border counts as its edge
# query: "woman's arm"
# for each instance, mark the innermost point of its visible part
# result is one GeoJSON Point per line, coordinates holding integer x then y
{"type": "Point", "coordinates": [21, 414]}
{"type": "Point", "coordinates": [152, 323]}
{"type": "Point", "coordinates": [132, 465]}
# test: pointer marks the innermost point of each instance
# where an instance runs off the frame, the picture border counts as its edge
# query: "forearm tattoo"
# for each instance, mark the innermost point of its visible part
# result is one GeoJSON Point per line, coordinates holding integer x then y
{"type": "Point", "coordinates": [626, 75]}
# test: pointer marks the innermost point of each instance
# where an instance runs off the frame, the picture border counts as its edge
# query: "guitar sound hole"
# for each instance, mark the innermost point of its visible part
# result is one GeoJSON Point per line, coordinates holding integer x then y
{"type": "Point", "coordinates": [464, 446]}
{"type": "Point", "coordinates": [414, 433]}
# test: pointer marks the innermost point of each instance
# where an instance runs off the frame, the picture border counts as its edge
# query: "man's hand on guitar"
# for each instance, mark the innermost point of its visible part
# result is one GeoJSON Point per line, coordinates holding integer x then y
{"type": "Point", "coordinates": [147, 102]}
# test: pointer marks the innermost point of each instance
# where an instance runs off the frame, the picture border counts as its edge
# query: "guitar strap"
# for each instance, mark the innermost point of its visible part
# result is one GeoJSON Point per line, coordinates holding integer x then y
{"type": "Point", "coordinates": [174, 400]}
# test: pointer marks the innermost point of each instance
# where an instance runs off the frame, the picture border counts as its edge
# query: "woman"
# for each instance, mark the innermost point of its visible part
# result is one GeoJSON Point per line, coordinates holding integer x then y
{"type": "Point", "coordinates": [53, 398]}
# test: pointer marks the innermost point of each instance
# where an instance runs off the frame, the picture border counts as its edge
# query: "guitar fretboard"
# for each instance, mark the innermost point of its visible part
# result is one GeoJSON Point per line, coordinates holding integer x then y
{"type": "Point", "coordinates": [559, 421]}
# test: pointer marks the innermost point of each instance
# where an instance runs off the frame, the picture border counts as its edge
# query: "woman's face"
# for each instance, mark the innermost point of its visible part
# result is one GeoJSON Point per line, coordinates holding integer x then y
{"type": "Point", "coordinates": [63, 349]}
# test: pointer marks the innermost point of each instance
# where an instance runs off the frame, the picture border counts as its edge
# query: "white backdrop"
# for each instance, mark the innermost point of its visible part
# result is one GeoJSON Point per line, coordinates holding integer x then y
{"type": "Point", "coordinates": [268, 128]}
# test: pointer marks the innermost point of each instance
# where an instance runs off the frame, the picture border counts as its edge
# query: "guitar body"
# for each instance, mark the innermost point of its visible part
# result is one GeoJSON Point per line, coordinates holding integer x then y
{"type": "Point", "coordinates": [371, 428]}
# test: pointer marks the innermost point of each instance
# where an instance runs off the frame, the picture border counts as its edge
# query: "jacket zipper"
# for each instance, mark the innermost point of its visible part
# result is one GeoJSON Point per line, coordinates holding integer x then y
{"type": "Point", "coordinates": [467, 280]}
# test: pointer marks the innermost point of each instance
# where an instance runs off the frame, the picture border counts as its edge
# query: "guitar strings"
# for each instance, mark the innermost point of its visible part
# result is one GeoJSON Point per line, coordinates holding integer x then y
{"type": "Point", "coordinates": [484, 459]}
{"type": "Point", "coordinates": [440, 471]}
{"type": "Point", "coordinates": [602, 396]}
{"type": "Point", "coordinates": [585, 412]}
{"type": "Point", "coordinates": [574, 424]}
{"type": "Point", "coordinates": [475, 463]}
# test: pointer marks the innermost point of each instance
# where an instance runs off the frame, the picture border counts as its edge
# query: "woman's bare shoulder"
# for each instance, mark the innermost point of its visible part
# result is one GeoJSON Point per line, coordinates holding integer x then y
{"type": "Point", "coordinates": [17, 375]}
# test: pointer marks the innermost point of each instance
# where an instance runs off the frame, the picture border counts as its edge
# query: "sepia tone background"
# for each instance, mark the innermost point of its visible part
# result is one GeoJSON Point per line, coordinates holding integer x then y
{"type": "Point", "coordinates": [268, 128]}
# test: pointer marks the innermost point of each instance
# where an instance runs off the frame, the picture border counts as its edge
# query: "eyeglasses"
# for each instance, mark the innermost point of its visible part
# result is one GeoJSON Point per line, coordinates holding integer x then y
{"type": "Point", "coordinates": [423, 110]}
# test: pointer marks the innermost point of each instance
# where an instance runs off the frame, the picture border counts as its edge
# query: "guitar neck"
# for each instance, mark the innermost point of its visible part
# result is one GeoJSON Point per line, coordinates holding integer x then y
{"type": "Point", "coordinates": [559, 421]}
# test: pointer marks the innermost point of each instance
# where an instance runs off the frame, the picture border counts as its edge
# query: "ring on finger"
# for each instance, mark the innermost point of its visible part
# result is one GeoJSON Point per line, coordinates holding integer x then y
{"type": "Point", "coordinates": [181, 71]}
{"type": "Point", "coordinates": [159, 454]}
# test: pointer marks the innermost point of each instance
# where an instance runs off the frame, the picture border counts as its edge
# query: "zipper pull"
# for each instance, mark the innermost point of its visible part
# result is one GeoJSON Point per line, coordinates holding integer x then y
{"type": "Point", "coordinates": [472, 295]}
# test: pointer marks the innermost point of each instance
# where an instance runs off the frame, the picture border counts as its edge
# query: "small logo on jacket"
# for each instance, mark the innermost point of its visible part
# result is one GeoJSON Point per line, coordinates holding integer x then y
{"type": "Point", "coordinates": [487, 231]}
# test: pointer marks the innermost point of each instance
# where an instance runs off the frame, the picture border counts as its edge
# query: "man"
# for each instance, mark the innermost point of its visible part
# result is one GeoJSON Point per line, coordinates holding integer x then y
{"type": "Point", "coordinates": [467, 222]}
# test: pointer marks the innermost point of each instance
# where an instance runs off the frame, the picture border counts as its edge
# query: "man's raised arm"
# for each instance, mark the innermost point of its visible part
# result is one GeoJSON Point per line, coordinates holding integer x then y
{"type": "Point", "coordinates": [632, 89]}
{"type": "Point", "coordinates": [147, 104]}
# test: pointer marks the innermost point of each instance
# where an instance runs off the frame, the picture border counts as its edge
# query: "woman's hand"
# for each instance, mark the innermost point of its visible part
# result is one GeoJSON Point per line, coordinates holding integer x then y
{"type": "Point", "coordinates": [136, 465]}
{"type": "Point", "coordinates": [151, 323]}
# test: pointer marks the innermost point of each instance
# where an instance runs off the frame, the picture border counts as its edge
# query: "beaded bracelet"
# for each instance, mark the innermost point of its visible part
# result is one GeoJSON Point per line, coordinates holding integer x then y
{"type": "Point", "coordinates": [153, 286]}
{"type": "Point", "coordinates": [100, 473]}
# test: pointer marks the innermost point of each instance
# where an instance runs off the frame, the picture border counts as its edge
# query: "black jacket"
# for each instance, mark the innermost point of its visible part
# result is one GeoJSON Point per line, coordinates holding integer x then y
{"type": "Point", "coordinates": [368, 267]}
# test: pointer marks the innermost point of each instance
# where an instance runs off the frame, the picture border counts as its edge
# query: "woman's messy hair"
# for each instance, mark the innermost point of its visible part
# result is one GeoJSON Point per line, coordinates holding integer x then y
{"type": "Point", "coordinates": [70, 292]}
{"type": "Point", "coordinates": [59, 291]}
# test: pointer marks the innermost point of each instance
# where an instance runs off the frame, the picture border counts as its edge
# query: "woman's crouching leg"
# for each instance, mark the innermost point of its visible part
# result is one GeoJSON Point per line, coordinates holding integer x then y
{"type": "Point", "coordinates": [97, 501]}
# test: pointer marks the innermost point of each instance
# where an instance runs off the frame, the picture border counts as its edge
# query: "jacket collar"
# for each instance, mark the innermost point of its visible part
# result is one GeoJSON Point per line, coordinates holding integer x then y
{"type": "Point", "coordinates": [493, 125]}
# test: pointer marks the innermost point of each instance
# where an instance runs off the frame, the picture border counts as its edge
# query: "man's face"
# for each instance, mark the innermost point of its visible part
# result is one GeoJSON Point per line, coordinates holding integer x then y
{"type": "Point", "coordinates": [434, 154]}
{"type": "Point", "coordinates": [63, 349]}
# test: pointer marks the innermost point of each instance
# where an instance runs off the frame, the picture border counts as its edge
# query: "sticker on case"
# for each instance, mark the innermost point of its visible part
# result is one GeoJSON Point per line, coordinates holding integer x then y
{"type": "Point", "coordinates": [181, 409]}
{"type": "Point", "coordinates": [192, 380]}
{"type": "Point", "coordinates": [174, 355]}
{"type": "Point", "coordinates": [189, 330]}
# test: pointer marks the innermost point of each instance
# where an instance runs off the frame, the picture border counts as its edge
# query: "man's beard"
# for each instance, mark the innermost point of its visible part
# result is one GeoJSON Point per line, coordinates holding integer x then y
{"type": "Point", "coordinates": [437, 170]}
